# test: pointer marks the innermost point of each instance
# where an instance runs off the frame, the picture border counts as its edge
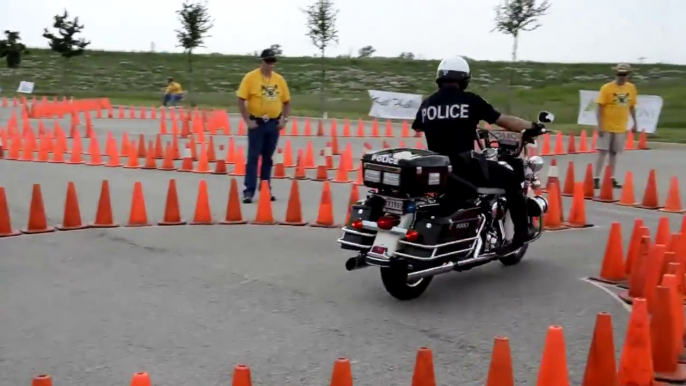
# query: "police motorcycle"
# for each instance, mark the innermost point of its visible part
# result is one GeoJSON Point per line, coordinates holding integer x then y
{"type": "Point", "coordinates": [403, 228]}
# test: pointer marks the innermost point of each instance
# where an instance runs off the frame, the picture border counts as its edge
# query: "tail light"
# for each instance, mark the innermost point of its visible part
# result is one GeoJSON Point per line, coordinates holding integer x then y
{"type": "Point", "coordinates": [357, 224]}
{"type": "Point", "coordinates": [412, 235]}
{"type": "Point", "coordinates": [387, 222]}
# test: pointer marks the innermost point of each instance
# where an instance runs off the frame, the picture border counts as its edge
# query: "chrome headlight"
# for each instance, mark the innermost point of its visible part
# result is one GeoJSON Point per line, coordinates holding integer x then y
{"type": "Point", "coordinates": [536, 163]}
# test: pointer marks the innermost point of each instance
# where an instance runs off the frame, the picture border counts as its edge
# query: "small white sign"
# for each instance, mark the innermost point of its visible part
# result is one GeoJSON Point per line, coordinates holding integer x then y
{"type": "Point", "coordinates": [394, 105]}
{"type": "Point", "coordinates": [25, 87]}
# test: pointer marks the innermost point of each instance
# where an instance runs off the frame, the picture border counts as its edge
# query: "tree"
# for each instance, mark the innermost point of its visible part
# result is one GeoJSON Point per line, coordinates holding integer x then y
{"type": "Point", "coordinates": [321, 24]}
{"type": "Point", "coordinates": [513, 17]}
{"type": "Point", "coordinates": [278, 51]}
{"type": "Point", "coordinates": [366, 52]}
{"type": "Point", "coordinates": [64, 42]}
{"type": "Point", "coordinates": [12, 49]}
{"type": "Point", "coordinates": [406, 55]}
{"type": "Point", "coordinates": [195, 24]}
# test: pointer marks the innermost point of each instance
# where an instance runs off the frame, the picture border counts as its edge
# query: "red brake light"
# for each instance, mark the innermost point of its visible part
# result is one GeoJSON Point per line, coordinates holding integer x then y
{"type": "Point", "coordinates": [387, 223]}
{"type": "Point", "coordinates": [357, 224]}
{"type": "Point", "coordinates": [412, 235]}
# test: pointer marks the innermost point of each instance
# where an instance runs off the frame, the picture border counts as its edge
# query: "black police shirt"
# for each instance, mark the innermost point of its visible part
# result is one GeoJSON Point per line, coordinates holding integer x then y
{"type": "Point", "coordinates": [449, 119]}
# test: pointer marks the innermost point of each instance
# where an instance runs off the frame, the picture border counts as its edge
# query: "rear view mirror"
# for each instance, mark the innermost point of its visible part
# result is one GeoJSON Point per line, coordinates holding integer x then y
{"type": "Point", "coordinates": [546, 117]}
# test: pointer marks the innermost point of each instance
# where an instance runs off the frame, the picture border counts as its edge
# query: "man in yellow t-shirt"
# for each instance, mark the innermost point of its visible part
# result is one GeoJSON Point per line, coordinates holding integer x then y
{"type": "Point", "coordinates": [616, 102]}
{"type": "Point", "coordinates": [173, 93]}
{"type": "Point", "coordinates": [264, 103]}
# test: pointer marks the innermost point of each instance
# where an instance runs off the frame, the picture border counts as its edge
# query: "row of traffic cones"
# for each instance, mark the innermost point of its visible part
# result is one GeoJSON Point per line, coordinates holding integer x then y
{"type": "Point", "coordinates": [605, 194]}
{"type": "Point", "coordinates": [138, 217]}
{"type": "Point", "coordinates": [647, 357]}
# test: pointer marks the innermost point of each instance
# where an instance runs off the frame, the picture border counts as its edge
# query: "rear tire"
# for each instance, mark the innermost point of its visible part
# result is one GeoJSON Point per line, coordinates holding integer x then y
{"type": "Point", "coordinates": [395, 282]}
{"type": "Point", "coordinates": [514, 258]}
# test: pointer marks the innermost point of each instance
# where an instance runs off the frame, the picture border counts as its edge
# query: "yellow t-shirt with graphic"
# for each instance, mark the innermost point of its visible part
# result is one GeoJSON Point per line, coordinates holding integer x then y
{"type": "Point", "coordinates": [264, 95]}
{"type": "Point", "coordinates": [616, 101]}
{"type": "Point", "coordinates": [174, 88]}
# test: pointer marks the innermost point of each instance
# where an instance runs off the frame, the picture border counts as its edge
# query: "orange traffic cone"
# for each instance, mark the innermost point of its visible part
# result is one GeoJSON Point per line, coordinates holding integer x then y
{"type": "Point", "coordinates": [264, 215]}
{"type": "Point", "coordinates": [500, 372]}
{"type": "Point", "coordinates": [5, 220]}
{"type": "Point", "coordinates": [635, 362]}
{"type": "Point", "coordinates": [203, 213]}
{"type": "Point", "coordinates": [140, 379]}
{"type": "Point", "coordinates": [41, 380]}
{"type": "Point", "coordinates": [577, 213]}
{"type": "Point", "coordinates": [72, 213]}
{"type": "Point", "coordinates": [172, 213]}
{"type": "Point", "coordinates": [650, 197]}
{"type": "Point", "coordinates": [553, 369]}
{"type": "Point", "coordinates": [38, 222]}
{"type": "Point", "coordinates": [138, 216]}
{"type": "Point", "coordinates": [627, 196]}
{"type": "Point", "coordinates": [103, 216]}
{"type": "Point", "coordinates": [424, 374]}
{"type": "Point", "coordinates": [233, 206]}
{"type": "Point", "coordinates": [325, 217]}
{"type": "Point", "coordinates": [612, 270]}
{"type": "Point", "coordinates": [665, 351]}
{"type": "Point", "coordinates": [601, 369]}
{"type": "Point", "coordinates": [294, 211]}
{"type": "Point", "coordinates": [342, 373]}
{"type": "Point", "coordinates": [673, 203]}
{"type": "Point", "coordinates": [241, 374]}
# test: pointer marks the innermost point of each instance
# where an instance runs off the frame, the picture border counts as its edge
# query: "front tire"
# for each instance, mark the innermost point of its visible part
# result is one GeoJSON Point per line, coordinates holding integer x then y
{"type": "Point", "coordinates": [514, 258]}
{"type": "Point", "coordinates": [395, 282]}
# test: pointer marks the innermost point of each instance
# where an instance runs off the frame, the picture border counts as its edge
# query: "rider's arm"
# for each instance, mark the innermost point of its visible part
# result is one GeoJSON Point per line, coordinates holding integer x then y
{"type": "Point", "coordinates": [508, 122]}
{"type": "Point", "coordinates": [512, 123]}
{"type": "Point", "coordinates": [418, 123]}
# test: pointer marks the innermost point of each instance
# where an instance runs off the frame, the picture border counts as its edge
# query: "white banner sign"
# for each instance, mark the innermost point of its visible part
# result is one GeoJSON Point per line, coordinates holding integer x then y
{"type": "Point", "coordinates": [25, 87]}
{"type": "Point", "coordinates": [647, 111]}
{"type": "Point", "coordinates": [393, 105]}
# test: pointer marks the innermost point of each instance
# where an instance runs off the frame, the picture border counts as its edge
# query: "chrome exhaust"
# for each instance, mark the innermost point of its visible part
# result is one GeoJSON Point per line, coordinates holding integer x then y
{"type": "Point", "coordinates": [447, 267]}
{"type": "Point", "coordinates": [356, 262]}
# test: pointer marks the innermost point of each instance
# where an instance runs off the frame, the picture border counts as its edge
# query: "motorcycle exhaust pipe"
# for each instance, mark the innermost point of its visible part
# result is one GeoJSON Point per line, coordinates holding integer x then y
{"type": "Point", "coordinates": [412, 276]}
{"type": "Point", "coordinates": [356, 262]}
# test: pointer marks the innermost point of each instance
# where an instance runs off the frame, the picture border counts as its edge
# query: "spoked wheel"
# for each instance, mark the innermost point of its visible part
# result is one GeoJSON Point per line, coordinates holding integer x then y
{"type": "Point", "coordinates": [395, 282]}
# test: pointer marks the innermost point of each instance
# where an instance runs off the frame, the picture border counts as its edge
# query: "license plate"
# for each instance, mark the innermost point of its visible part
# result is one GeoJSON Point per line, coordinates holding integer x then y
{"type": "Point", "coordinates": [395, 206]}
{"type": "Point", "coordinates": [386, 241]}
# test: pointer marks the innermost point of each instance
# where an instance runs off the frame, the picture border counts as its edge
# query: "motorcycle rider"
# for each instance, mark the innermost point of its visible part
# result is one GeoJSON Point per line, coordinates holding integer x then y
{"type": "Point", "coordinates": [449, 119]}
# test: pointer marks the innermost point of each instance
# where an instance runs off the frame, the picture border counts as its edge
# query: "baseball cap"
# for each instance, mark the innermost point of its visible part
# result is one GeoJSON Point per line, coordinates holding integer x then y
{"type": "Point", "coordinates": [622, 68]}
{"type": "Point", "coordinates": [268, 54]}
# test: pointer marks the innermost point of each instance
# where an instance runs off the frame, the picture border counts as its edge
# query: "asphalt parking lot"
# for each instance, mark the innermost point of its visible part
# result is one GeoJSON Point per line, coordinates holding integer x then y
{"type": "Point", "coordinates": [187, 303]}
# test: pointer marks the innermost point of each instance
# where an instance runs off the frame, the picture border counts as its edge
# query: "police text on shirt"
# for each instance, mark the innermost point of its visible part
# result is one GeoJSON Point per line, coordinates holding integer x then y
{"type": "Point", "coordinates": [445, 112]}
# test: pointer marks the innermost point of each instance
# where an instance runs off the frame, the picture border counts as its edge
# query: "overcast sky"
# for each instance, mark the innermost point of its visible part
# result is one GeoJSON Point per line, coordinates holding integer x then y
{"type": "Point", "coordinates": [573, 31]}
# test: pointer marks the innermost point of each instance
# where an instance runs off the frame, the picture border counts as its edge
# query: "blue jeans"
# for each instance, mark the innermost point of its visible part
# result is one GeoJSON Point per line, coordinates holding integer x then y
{"type": "Point", "coordinates": [173, 98]}
{"type": "Point", "coordinates": [262, 141]}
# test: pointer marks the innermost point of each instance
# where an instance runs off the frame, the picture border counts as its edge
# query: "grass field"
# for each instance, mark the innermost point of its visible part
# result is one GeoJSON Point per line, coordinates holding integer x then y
{"type": "Point", "coordinates": [137, 78]}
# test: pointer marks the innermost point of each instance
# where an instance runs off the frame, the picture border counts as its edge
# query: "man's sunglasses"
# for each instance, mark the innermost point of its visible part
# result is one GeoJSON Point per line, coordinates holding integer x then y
{"type": "Point", "coordinates": [622, 74]}
{"type": "Point", "coordinates": [270, 61]}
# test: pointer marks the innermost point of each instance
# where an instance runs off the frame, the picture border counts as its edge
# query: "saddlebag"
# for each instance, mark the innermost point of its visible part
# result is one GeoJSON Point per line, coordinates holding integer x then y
{"type": "Point", "coordinates": [414, 172]}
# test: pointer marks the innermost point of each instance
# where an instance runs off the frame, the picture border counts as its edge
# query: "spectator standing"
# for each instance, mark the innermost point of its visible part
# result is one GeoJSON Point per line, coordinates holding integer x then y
{"type": "Point", "coordinates": [264, 103]}
{"type": "Point", "coordinates": [173, 93]}
{"type": "Point", "coordinates": [616, 101]}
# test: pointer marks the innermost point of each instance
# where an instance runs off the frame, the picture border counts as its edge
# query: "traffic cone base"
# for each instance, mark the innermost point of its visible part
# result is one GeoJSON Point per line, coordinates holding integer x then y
{"type": "Point", "coordinates": [10, 234]}
{"type": "Point", "coordinates": [678, 377]}
{"type": "Point", "coordinates": [62, 227]}
{"type": "Point", "coordinates": [39, 231]}
{"type": "Point", "coordinates": [102, 226]}
{"type": "Point", "coordinates": [297, 224]}
{"type": "Point", "coordinates": [234, 222]}
{"type": "Point", "coordinates": [172, 223]}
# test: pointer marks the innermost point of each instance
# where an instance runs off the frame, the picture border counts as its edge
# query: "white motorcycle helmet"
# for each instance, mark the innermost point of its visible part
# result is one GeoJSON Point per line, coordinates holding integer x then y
{"type": "Point", "coordinates": [455, 70]}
